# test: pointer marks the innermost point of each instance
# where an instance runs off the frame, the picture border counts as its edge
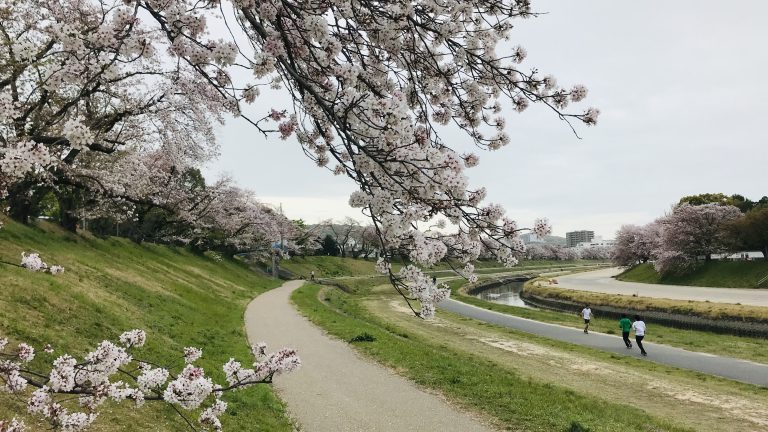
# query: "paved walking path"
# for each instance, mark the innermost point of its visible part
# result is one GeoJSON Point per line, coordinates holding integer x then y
{"type": "Point", "coordinates": [601, 281]}
{"type": "Point", "coordinates": [336, 390]}
{"type": "Point", "coordinates": [739, 370]}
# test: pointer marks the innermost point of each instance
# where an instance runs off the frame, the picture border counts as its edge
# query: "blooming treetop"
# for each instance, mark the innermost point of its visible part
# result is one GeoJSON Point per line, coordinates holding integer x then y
{"type": "Point", "coordinates": [374, 84]}
{"type": "Point", "coordinates": [112, 372]}
{"type": "Point", "coordinates": [690, 232]}
{"type": "Point", "coordinates": [636, 244]}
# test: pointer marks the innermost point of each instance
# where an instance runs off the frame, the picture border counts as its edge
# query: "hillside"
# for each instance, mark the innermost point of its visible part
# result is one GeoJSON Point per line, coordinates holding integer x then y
{"type": "Point", "coordinates": [112, 285]}
{"type": "Point", "coordinates": [724, 274]}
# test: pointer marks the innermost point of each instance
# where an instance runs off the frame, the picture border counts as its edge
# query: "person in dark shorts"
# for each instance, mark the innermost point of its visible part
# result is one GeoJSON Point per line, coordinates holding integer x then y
{"type": "Point", "coordinates": [586, 313]}
{"type": "Point", "coordinates": [639, 327]}
{"type": "Point", "coordinates": [626, 326]}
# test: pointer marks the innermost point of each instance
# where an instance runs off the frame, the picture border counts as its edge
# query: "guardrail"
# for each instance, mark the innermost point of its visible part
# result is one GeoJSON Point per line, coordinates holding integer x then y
{"type": "Point", "coordinates": [762, 281]}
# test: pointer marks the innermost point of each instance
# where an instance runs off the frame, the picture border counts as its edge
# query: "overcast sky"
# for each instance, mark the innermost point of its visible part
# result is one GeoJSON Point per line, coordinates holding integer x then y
{"type": "Point", "coordinates": [684, 99]}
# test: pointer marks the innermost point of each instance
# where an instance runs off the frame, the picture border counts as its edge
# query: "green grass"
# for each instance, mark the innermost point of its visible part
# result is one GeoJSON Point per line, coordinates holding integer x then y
{"type": "Point", "coordinates": [725, 274]}
{"type": "Point", "coordinates": [112, 285]}
{"type": "Point", "coordinates": [477, 384]}
{"type": "Point", "coordinates": [754, 349]}
{"type": "Point", "coordinates": [334, 267]}
{"type": "Point", "coordinates": [329, 266]}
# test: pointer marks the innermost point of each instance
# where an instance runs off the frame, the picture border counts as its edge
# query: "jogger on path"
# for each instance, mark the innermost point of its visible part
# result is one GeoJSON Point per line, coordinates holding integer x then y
{"type": "Point", "coordinates": [639, 327]}
{"type": "Point", "coordinates": [586, 313]}
{"type": "Point", "coordinates": [626, 326]}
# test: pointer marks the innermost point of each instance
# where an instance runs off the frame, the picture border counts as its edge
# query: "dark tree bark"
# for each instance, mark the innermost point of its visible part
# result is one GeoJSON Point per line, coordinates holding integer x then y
{"type": "Point", "coordinates": [68, 217]}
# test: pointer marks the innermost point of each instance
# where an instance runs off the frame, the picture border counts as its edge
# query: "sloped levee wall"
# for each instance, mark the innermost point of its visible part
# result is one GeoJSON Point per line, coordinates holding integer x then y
{"type": "Point", "coordinates": [686, 322]}
{"type": "Point", "coordinates": [494, 283]}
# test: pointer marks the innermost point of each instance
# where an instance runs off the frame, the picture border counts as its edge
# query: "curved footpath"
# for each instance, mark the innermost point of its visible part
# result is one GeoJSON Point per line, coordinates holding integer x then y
{"type": "Point", "coordinates": [601, 281]}
{"type": "Point", "coordinates": [726, 367]}
{"type": "Point", "coordinates": [335, 389]}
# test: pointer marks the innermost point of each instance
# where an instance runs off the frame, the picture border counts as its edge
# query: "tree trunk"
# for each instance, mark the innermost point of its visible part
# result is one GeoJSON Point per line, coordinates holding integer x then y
{"type": "Point", "coordinates": [275, 264]}
{"type": "Point", "coordinates": [20, 202]}
{"type": "Point", "coordinates": [68, 218]}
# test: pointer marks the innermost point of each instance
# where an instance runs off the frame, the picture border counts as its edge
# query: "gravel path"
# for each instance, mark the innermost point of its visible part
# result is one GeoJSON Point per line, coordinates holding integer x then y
{"type": "Point", "coordinates": [601, 281]}
{"type": "Point", "coordinates": [336, 390]}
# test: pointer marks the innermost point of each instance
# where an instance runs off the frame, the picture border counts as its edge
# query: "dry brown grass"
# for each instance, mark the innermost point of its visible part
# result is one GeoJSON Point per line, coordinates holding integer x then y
{"type": "Point", "coordinates": [687, 307]}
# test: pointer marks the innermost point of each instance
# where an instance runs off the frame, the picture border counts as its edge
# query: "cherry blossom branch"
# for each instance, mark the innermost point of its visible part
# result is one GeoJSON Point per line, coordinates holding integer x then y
{"type": "Point", "coordinates": [94, 381]}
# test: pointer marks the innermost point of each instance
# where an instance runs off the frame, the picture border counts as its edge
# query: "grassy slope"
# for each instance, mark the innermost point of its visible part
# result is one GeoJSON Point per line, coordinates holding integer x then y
{"type": "Point", "coordinates": [113, 285]}
{"type": "Point", "coordinates": [725, 274]}
{"type": "Point", "coordinates": [732, 346]}
{"type": "Point", "coordinates": [328, 266]}
{"type": "Point", "coordinates": [515, 403]}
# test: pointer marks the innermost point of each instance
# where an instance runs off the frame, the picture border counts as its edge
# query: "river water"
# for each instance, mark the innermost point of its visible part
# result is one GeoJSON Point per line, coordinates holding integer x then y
{"type": "Point", "coordinates": [508, 294]}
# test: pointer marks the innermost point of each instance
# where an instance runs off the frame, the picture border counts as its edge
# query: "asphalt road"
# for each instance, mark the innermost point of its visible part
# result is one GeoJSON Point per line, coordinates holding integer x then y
{"type": "Point", "coordinates": [735, 369]}
{"type": "Point", "coordinates": [601, 281]}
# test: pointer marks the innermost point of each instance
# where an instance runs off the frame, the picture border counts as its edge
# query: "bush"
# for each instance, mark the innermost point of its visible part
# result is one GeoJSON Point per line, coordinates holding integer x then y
{"type": "Point", "coordinates": [577, 427]}
{"type": "Point", "coordinates": [363, 337]}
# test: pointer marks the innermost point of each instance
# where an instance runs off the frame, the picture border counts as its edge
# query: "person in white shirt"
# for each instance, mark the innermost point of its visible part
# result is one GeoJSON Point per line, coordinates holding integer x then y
{"type": "Point", "coordinates": [586, 313]}
{"type": "Point", "coordinates": [639, 327]}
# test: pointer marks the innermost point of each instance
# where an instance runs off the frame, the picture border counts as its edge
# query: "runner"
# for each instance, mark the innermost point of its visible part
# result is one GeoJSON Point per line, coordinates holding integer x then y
{"type": "Point", "coordinates": [639, 327]}
{"type": "Point", "coordinates": [586, 313]}
{"type": "Point", "coordinates": [626, 326]}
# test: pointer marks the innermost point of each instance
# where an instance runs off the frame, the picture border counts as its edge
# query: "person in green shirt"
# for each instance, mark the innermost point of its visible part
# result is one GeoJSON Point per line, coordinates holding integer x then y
{"type": "Point", "coordinates": [626, 325]}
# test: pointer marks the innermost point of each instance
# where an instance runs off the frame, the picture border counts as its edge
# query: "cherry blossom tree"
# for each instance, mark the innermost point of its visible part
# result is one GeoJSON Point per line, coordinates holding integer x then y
{"type": "Point", "coordinates": [90, 76]}
{"type": "Point", "coordinates": [596, 253]}
{"type": "Point", "coordinates": [306, 239]}
{"type": "Point", "coordinates": [539, 251]}
{"type": "Point", "coordinates": [365, 242]}
{"type": "Point", "coordinates": [691, 233]}
{"type": "Point", "coordinates": [374, 84]}
{"type": "Point", "coordinates": [342, 233]}
{"type": "Point", "coordinates": [543, 251]}
{"type": "Point", "coordinates": [636, 244]}
{"type": "Point", "coordinates": [70, 393]}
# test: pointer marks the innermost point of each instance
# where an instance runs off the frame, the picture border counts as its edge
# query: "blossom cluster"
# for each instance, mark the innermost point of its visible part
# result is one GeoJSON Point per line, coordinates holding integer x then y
{"type": "Point", "coordinates": [12, 425]}
{"type": "Point", "coordinates": [34, 263]}
{"type": "Point", "coordinates": [105, 374]}
{"type": "Point", "coordinates": [423, 289]}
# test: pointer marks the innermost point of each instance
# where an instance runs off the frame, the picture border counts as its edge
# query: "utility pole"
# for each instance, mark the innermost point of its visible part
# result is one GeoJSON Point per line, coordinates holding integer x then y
{"type": "Point", "coordinates": [276, 252]}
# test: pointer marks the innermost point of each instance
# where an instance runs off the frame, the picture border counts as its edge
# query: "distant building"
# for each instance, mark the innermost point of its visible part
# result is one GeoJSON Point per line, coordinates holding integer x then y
{"type": "Point", "coordinates": [529, 238]}
{"type": "Point", "coordinates": [597, 241]}
{"type": "Point", "coordinates": [573, 238]}
{"type": "Point", "coordinates": [740, 256]}
{"type": "Point", "coordinates": [554, 240]}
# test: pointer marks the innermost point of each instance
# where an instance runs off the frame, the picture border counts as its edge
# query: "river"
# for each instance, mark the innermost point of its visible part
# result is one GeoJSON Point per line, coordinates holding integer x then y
{"type": "Point", "coordinates": [508, 294]}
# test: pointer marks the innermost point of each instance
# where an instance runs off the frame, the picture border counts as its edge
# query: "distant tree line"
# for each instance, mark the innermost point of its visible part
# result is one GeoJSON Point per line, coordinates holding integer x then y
{"type": "Point", "coordinates": [545, 251]}
{"type": "Point", "coordinates": [171, 205]}
{"type": "Point", "coordinates": [697, 228]}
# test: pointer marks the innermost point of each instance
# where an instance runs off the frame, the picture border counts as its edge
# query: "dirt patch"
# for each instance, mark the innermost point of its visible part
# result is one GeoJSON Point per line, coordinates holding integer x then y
{"type": "Point", "coordinates": [740, 408]}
